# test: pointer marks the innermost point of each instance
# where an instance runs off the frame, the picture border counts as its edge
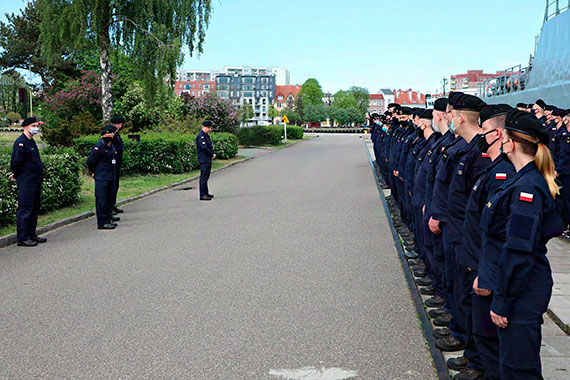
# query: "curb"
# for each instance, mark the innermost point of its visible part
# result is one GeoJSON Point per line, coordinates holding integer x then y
{"type": "Point", "coordinates": [439, 364]}
{"type": "Point", "coordinates": [12, 238]}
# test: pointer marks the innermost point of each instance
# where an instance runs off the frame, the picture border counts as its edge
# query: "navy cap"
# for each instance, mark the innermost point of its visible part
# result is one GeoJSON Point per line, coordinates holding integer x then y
{"type": "Point", "coordinates": [207, 123]}
{"type": "Point", "coordinates": [426, 114]}
{"type": "Point", "coordinates": [523, 122]}
{"type": "Point", "coordinates": [549, 107]}
{"type": "Point", "coordinates": [466, 102]}
{"type": "Point", "coordinates": [440, 104]}
{"type": "Point", "coordinates": [406, 111]}
{"type": "Point", "coordinates": [117, 120]}
{"type": "Point", "coordinates": [558, 112]}
{"type": "Point", "coordinates": [453, 95]}
{"type": "Point", "coordinates": [108, 129]}
{"type": "Point", "coordinates": [493, 110]}
{"type": "Point", "coordinates": [540, 103]}
{"type": "Point", "coordinates": [28, 121]}
{"type": "Point", "coordinates": [521, 105]}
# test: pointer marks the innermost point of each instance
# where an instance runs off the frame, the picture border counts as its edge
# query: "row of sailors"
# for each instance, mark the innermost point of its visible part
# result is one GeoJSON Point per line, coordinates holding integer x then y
{"type": "Point", "coordinates": [477, 197]}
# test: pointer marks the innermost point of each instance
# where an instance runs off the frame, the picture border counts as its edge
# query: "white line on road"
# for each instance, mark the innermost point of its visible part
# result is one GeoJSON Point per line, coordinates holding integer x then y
{"type": "Point", "coordinates": [313, 373]}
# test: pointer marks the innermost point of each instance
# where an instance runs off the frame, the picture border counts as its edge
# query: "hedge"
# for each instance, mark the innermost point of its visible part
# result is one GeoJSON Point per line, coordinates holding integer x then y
{"type": "Point", "coordinates": [61, 185]}
{"type": "Point", "coordinates": [162, 152]}
{"type": "Point", "coordinates": [268, 134]}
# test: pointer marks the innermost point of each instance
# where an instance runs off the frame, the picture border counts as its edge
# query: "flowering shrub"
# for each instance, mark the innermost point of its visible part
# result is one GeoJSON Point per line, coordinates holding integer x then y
{"type": "Point", "coordinates": [210, 107]}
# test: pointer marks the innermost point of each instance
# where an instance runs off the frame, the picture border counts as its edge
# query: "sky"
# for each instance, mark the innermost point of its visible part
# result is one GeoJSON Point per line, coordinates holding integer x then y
{"type": "Point", "coordinates": [375, 44]}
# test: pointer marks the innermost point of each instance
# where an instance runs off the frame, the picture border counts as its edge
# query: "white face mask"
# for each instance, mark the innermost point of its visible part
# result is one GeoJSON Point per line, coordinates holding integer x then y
{"type": "Point", "coordinates": [34, 130]}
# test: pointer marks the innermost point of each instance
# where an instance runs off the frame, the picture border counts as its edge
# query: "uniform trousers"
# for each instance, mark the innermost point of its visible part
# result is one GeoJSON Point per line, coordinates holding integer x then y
{"type": "Point", "coordinates": [438, 265]}
{"type": "Point", "coordinates": [29, 199]}
{"type": "Point", "coordinates": [205, 168]}
{"type": "Point", "coordinates": [485, 335]}
{"type": "Point", "coordinates": [104, 190]}
{"type": "Point", "coordinates": [116, 188]}
{"type": "Point", "coordinates": [564, 203]}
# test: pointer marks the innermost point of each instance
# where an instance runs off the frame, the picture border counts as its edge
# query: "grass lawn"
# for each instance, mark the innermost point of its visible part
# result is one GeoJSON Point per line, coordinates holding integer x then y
{"type": "Point", "coordinates": [130, 186]}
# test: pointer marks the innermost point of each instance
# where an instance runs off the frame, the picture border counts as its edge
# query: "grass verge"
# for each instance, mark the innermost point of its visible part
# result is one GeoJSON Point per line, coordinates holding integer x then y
{"type": "Point", "coordinates": [130, 187]}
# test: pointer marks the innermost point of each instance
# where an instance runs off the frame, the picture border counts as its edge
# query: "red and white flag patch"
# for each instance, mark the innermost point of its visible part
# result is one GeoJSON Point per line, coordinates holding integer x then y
{"type": "Point", "coordinates": [485, 155]}
{"type": "Point", "coordinates": [501, 176]}
{"type": "Point", "coordinates": [442, 149]}
{"type": "Point", "coordinates": [526, 197]}
{"type": "Point", "coordinates": [96, 148]}
{"type": "Point", "coordinates": [21, 144]}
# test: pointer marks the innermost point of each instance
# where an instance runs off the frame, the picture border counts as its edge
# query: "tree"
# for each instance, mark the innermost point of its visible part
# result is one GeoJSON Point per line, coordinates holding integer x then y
{"type": "Point", "coordinates": [311, 92]}
{"type": "Point", "coordinates": [246, 113]}
{"type": "Point", "coordinates": [362, 97]}
{"type": "Point", "coordinates": [150, 32]}
{"type": "Point", "coordinates": [293, 116]}
{"type": "Point", "coordinates": [21, 48]}
{"type": "Point", "coordinates": [9, 84]}
{"type": "Point", "coordinates": [219, 111]}
{"type": "Point", "coordinates": [315, 113]}
{"type": "Point", "coordinates": [344, 99]}
{"type": "Point", "coordinates": [273, 112]}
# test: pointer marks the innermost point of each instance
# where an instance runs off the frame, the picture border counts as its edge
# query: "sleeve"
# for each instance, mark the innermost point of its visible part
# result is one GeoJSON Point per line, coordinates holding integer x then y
{"type": "Point", "coordinates": [17, 159]}
{"type": "Point", "coordinates": [519, 251]}
{"type": "Point", "coordinates": [210, 148]}
{"type": "Point", "coordinates": [93, 159]}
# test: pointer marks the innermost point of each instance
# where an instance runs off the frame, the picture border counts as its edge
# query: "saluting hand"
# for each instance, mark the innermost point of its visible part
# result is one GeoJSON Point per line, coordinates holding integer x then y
{"type": "Point", "coordinates": [498, 320]}
{"type": "Point", "coordinates": [479, 291]}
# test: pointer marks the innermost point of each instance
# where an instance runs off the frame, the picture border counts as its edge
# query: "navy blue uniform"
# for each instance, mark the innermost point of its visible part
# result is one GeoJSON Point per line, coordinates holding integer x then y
{"type": "Point", "coordinates": [27, 167]}
{"type": "Point", "coordinates": [205, 152]}
{"type": "Point", "coordinates": [118, 144]}
{"type": "Point", "coordinates": [563, 169]}
{"type": "Point", "coordinates": [102, 162]}
{"type": "Point", "coordinates": [484, 330]}
{"type": "Point", "coordinates": [518, 221]}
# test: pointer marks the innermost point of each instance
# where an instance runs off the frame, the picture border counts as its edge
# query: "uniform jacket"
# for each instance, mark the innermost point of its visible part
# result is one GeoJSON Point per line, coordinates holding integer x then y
{"type": "Point", "coordinates": [102, 161]}
{"type": "Point", "coordinates": [204, 148]}
{"type": "Point", "coordinates": [26, 164]}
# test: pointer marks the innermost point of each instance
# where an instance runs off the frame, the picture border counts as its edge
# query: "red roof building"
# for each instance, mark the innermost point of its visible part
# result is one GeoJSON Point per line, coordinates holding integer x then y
{"type": "Point", "coordinates": [471, 81]}
{"type": "Point", "coordinates": [194, 88]}
{"type": "Point", "coordinates": [285, 95]}
{"type": "Point", "coordinates": [409, 98]}
{"type": "Point", "coordinates": [376, 103]}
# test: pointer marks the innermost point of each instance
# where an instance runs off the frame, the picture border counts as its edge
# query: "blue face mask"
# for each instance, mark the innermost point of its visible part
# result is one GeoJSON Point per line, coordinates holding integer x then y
{"type": "Point", "coordinates": [452, 126]}
{"type": "Point", "coordinates": [434, 127]}
{"type": "Point", "coordinates": [384, 129]}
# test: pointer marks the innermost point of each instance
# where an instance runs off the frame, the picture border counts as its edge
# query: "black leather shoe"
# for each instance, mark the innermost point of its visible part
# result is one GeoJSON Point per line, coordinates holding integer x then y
{"type": "Point", "coordinates": [449, 344]}
{"type": "Point", "coordinates": [469, 374]}
{"type": "Point", "coordinates": [423, 281]}
{"type": "Point", "coordinates": [118, 210]}
{"type": "Point", "coordinates": [411, 255]}
{"type": "Point", "coordinates": [205, 198]}
{"type": "Point", "coordinates": [434, 313]}
{"type": "Point", "coordinates": [38, 239]}
{"type": "Point", "coordinates": [414, 262]}
{"type": "Point", "coordinates": [427, 290]}
{"type": "Point", "coordinates": [418, 267]}
{"type": "Point", "coordinates": [107, 226]}
{"type": "Point", "coordinates": [435, 301]}
{"type": "Point", "coordinates": [27, 243]}
{"type": "Point", "coordinates": [114, 219]}
{"type": "Point", "coordinates": [420, 273]}
{"type": "Point", "coordinates": [443, 320]}
{"type": "Point", "coordinates": [442, 332]}
{"type": "Point", "coordinates": [211, 196]}
{"type": "Point", "coordinates": [457, 364]}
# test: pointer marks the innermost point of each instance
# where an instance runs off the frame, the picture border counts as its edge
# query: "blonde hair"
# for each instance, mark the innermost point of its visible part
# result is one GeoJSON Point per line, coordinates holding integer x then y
{"type": "Point", "coordinates": [542, 158]}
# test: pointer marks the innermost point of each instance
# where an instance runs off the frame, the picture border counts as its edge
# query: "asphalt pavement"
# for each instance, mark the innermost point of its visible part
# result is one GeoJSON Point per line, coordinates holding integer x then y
{"type": "Point", "coordinates": [290, 272]}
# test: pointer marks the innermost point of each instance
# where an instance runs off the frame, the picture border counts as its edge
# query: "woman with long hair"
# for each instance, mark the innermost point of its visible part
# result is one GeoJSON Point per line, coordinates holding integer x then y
{"type": "Point", "coordinates": [517, 223]}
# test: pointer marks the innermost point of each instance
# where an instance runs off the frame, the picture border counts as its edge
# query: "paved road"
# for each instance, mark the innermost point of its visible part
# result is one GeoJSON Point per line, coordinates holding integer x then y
{"type": "Point", "coordinates": [292, 265]}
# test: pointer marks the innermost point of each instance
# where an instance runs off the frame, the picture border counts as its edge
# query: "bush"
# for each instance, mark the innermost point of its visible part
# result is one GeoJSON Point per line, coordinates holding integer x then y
{"type": "Point", "coordinates": [294, 133]}
{"type": "Point", "coordinates": [63, 132]}
{"type": "Point", "coordinates": [61, 185]}
{"type": "Point", "coordinates": [209, 106]}
{"type": "Point", "coordinates": [260, 135]}
{"type": "Point", "coordinates": [162, 152]}
{"type": "Point", "coordinates": [13, 117]}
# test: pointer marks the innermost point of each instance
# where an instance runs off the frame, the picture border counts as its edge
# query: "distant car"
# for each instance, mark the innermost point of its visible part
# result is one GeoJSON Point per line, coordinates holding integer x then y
{"type": "Point", "coordinates": [314, 124]}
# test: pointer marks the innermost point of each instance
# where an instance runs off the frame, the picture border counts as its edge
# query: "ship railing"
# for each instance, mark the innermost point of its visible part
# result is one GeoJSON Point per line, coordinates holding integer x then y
{"type": "Point", "coordinates": [555, 7]}
{"type": "Point", "coordinates": [512, 80]}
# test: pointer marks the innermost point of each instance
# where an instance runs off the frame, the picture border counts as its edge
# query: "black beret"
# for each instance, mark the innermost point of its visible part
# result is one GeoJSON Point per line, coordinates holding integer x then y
{"type": "Point", "coordinates": [567, 112]}
{"type": "Point", "coordinates": [388, 113]}
{"type": "Point", "coordinates": [453, 95]}
{"type": "Point", "coordinates": [493, 110]}
{"type": "Point", "coordinates": [406, 111]}
{"type": "Point", "coordinates": [522, 105]}
{"type": "Point", "coordinates": [426, 114]}
{"type": "Point", "coordinates": [466, 102]}
{"type": "Point", "coordinates": [523, 122]}
{"type": "Point", "coordinates": [117, 120]}
{"type": "Point", "coordinates": [540, 103]}
{"type": "Point", "coordinates": [417, 111]}
{"type": "Point", "coordinates": [28, 121]}
{"type": "Point", "coordinates": [393, 105]}
{"type": "Point", "coordinates": [558, 112]}
{"type": "Point", "coordinates": [440, 104]}
{"type": "Point", "coordinates": [207, 123]}
{"type": "Point", "coordinates": [108, 129]}
{"type": "Point", "coordinates": [549, 108]}
{"type": "Point", "coordinates": [530, 105]}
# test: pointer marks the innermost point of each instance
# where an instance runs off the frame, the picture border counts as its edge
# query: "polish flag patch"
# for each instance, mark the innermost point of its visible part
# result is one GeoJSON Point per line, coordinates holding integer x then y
{"type": "Point", "coordinates": [20, 144]}
{"type": "Point", "coordinates": [485, 155]}
{"type": "Point", "coordinates": [443, 149]}
{"type": "Point", "coordinates": [501, 176]}
{"type": "Point", "coordinates": [526, 197]}
{"type": "Point", "coordinates": [96, 148]}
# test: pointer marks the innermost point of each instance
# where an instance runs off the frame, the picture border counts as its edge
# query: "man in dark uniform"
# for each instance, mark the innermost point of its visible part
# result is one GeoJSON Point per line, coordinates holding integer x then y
{"type": "Point", "coordinates": [117, 121]}
{"type": "Point", "coordinates": [27, 170]}
{"type": "Point", "coordinates": [205, 152]}
{"type": "Point", "coordinates": [101, 163]}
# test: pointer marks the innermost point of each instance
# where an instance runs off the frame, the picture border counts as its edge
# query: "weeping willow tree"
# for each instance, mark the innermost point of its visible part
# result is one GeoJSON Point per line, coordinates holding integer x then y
{"type": "Point", "coordinates": [152, 33]}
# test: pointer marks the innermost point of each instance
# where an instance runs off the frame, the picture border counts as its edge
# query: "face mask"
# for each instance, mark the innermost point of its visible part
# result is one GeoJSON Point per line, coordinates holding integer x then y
{"type": "Point", "coordinates": [483, 144]}
{"type": "Point", "coordinates": [34, 131]}
{"type": "Point", "coordinates": [501, 149]}
{"type": "Point", "coordinates": [404, 123]}
{"type": "Point", "coordinates": [384, 129]}
{"type": "Point", "coordinates": [452, 126]}
{"type": "Point", "coordinates": [107, 140]}
{"type": "Point", "coordinates": [434, 127]}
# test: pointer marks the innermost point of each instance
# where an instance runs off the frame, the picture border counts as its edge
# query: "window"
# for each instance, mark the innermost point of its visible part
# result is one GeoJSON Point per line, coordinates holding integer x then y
{"type": "Point", "coordinates": [199, 93]}
{"type": "Point", "coordinates": [264, 108]}
{"type": "Point", "coordinates": [247, 80]}
{"type": "Point", "coordinates": [223, 94]}
{"type": "Point", "coordinates": [264, 93]}
{"type": "Point", "coordinates": [280, 97]}
{"type": "Point", "coordinates": [200, 85]}
{"type": "Point", "coordinates": [264, 101]}
{"type": "Point", "coordinates": [223, 80]}
{"type": "Point", "coordinates": [192, 93]}
{"type": "Point", "coordinates": [193, 86]}
{"type": "Point", "coordinates": [247, 94]}
{"type": "Point", "coordinates": [279, 105]}
{"type": "Point", "coordinates": [247, 87]}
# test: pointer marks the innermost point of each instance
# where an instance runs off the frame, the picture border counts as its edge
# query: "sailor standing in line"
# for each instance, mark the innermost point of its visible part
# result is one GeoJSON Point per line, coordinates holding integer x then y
{"type": "Point", "coordinates": [205, 152]}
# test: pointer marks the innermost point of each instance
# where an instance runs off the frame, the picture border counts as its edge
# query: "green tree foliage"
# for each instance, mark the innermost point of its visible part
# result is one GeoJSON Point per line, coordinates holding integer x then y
{"type": "Point", "coordinates": [311, 92]}
{"type": "Point", "coordinates": [9, 84]}
{"type": "Point", "coordinates": [246, 113]}
{"type": "Point", "coordinates": [62, 132]}
{"type": "Point", "coordinates": [344, 99]}
{"type": "Point", "coordinates": [315, 113]}
{"type": "Point", "coordinates": [362, 97]}
{"type": "Point", "coordinates": [20, 48]}
{"type": "Point", "coordinates": [152, 33]}
{"type": "Point", "coordinates": [293, 116]}
{"type": "Point", "coordinates": [219, 111]}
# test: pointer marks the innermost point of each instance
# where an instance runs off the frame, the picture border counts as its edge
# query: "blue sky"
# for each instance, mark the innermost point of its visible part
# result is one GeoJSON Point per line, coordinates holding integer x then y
{"type": "Point", "coordinates": [369, 43]}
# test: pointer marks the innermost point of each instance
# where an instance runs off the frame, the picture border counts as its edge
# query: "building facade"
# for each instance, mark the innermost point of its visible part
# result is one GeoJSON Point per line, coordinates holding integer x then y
{"type": "Point", "coordinates": [194, 88]}
{"type": "Point", "coordinates": [258, 91]}
{"type": "Point", "coordinates": [285, 96]}
{"type": "Point", "coordinates": [470, 82]}
{"type": "Point", "coordinates": [282, 75]}
{"type": "Point", "coordinates": [410, 98]}
{"type": "Point", "coordinates": [376, 104]}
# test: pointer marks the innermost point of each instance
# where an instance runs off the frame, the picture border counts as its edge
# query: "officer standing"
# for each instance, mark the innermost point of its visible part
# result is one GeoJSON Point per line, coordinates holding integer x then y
{"type": "Point", "coordinates": [117, 121]}
{"type": "Point", "coordinates": [205, 152]}
{"type": "Point", "coordinates": [101, 163]}
{"type": "Point", "coordinates": [27, 170]}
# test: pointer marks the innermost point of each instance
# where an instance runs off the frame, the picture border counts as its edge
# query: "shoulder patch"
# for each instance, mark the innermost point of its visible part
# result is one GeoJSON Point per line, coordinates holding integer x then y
{"type": "Point", "coordinates": [96, 148]}
{"type": "Point", "coordinates": [501, 176]}
{"type": "Point", "coordinates": [526, 197]}
{"type": "Point", "coordinates": [202, 136]}
{"type": "Point", "coordinates": [485, 155]}
{"type": "Point", "coordinates": [21, 144]}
